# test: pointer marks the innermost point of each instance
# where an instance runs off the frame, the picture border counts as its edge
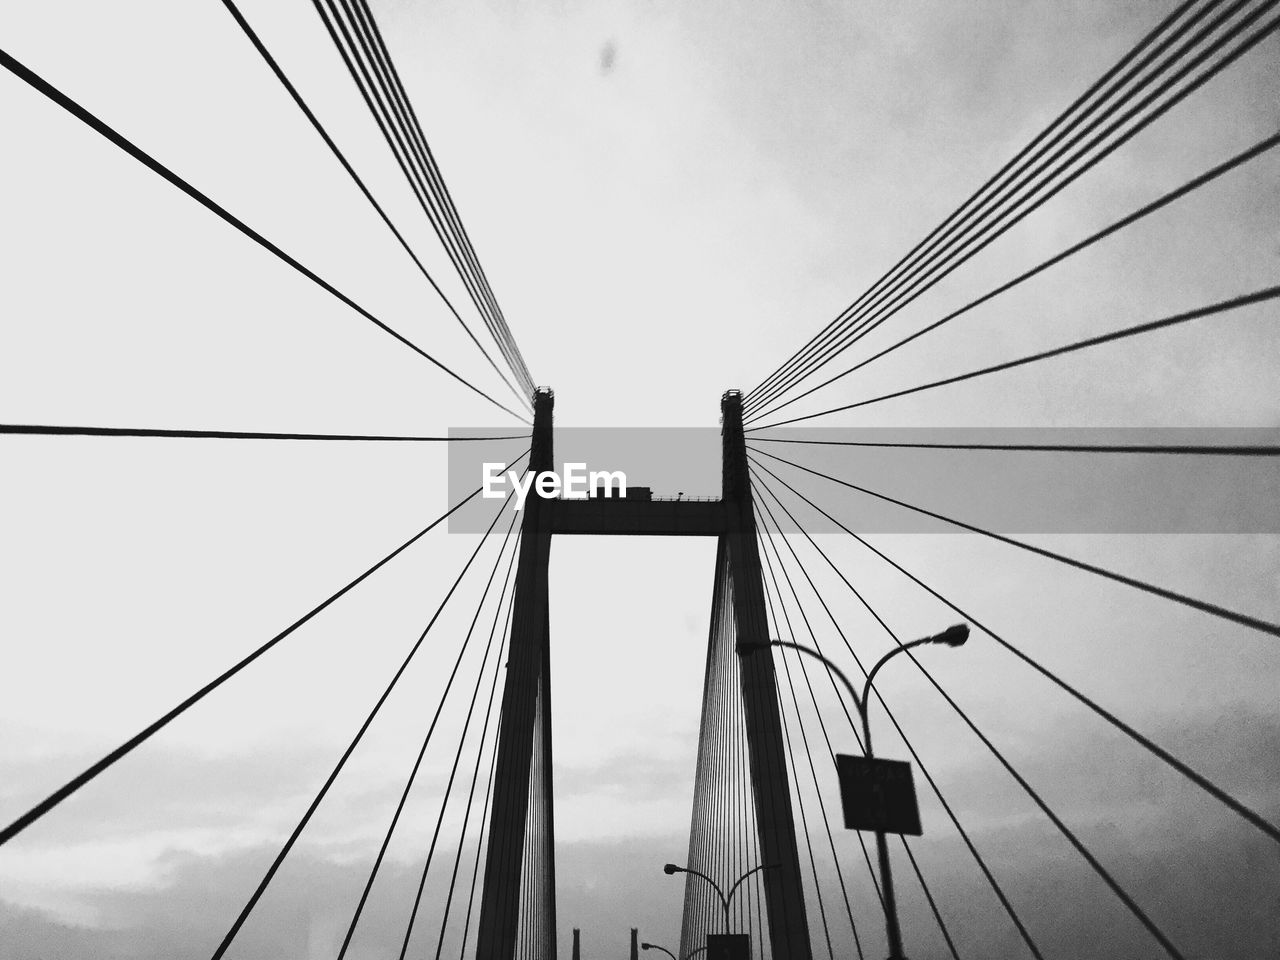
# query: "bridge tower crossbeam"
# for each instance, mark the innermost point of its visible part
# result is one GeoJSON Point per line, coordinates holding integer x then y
{"type": "Point", "coordinates": [526, 702]}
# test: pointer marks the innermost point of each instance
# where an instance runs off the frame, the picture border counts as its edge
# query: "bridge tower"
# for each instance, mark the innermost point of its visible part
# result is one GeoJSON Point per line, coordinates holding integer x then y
{"type": "Point", "coordinates": [522, 814]}
{"type": "Point", "coordinates": [523, 805]}
{"type": "Point", "coordinates": [740, 551]}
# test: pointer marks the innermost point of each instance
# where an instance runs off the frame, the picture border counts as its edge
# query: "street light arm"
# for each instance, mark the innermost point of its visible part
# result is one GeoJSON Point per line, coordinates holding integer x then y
{"type": "Point", "coordinates": [714, 885]}
{"type": "Point", "coordinates": [866, 686]}
{"type": "Point", "coordinates": [953, 636]}
{"type": "Point", "coordinates": [657, 946]}
{"type": "Point", "coordinates": [734, 888]}
{"type": "Point", "coordinates": [752, 647]}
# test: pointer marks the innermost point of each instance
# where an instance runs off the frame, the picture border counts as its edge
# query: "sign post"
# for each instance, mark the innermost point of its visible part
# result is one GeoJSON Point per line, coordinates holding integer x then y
{"type": "Point", "coordinates": [728, 946]}
{"type": "Point", "coordinates": [878, 795]}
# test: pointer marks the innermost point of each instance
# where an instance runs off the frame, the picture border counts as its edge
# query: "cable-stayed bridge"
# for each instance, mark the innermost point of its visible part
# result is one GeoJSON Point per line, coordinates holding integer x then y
{"type": "Point", "coordinates": [764, 815]}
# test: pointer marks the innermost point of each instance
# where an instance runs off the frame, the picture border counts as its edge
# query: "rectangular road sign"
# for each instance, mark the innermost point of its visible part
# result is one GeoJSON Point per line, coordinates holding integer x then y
{"type": "Point", "coordinates": [878, 795]}
{"type": "Point", "coordinates": [728, 946]}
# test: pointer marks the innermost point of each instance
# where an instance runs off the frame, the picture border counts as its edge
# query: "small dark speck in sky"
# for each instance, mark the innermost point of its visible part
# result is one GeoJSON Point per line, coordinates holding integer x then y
{"type": "Point", "coordinates": [608, 56]}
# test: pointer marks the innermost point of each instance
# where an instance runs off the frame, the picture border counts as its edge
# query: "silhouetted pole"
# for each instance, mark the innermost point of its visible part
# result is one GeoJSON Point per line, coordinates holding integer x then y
{"type": "Point", "coordinates": [577, 948]}
{"type": "Point", "coordinates": [954, 636]}
{"type": "Point", "coordinates": [770, 783]}
{"type": "Point", "coordinates": [527, 665]}
{"type": "Point", "coordinates": [548, 795]}
{"type": "Point", "coordinates": [635, 944]}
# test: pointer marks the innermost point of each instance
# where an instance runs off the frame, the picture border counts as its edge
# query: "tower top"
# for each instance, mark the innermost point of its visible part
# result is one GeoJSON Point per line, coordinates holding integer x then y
{"type": "Point", "coordinates": [734, 483]}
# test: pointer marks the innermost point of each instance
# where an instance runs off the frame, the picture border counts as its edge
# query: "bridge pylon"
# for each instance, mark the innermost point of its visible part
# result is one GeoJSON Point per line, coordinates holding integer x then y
{"type": "Point", "coordinates": [771, 788]}
{"type": "Point", "coordinates": [522, 819]}
{"type": "Point", "coordinates": [518, 900]}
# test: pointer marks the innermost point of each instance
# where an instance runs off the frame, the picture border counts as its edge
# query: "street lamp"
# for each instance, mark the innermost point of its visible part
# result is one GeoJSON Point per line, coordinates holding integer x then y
{"type": "Point", "coordinates": [670, 869]}
{"type": "Point", "coordinates": [953, 636]}
{"type": "Point", "coordinates": [654, 946]}
{"type": "Point", "coordinates": [687, 956]}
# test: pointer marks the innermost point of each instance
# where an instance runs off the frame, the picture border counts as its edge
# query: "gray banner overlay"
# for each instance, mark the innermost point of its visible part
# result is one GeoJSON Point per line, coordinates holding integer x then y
{"type": "Point", "coordinates": [1018, 480]}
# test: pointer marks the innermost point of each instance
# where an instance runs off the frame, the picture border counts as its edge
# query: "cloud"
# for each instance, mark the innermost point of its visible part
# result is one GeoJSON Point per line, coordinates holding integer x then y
{"type": "Point", "coordinates": [142, 821]}
{"type": "Point", "coordinates": [1213, 894]}
{"type": "Point", "coordinates": [1203, 874]}
{"type": "Point", "coordinates": [306, 910]}
{"type": "Point", "coordinates": [642, 776]}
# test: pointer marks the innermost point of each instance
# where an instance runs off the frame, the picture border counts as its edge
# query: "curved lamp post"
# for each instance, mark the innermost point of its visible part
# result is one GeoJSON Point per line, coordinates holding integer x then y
{"type": "Point", "coordinates": [670, 868]}
{"type": "Point", "coordinates": [953, 636]}
{"type": "Point", "coordinates": [687, 956]}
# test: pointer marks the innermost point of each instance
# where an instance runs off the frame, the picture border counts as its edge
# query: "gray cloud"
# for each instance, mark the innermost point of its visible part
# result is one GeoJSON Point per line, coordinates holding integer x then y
{"type": "Point", "coordinates": [1214, 894]}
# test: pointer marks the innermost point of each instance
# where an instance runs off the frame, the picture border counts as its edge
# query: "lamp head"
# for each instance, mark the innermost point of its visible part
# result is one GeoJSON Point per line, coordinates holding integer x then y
{"type": "Point", "coordinates": [646, 946]}
{"type": "Point", "coordinates": [954, 636]}
{"type": "Point", "coordinates": [670, 868]}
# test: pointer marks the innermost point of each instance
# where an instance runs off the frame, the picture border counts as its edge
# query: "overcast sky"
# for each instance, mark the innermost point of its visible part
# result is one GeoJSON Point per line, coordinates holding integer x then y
{"type": "Point", "coordinates": [668, 200]}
